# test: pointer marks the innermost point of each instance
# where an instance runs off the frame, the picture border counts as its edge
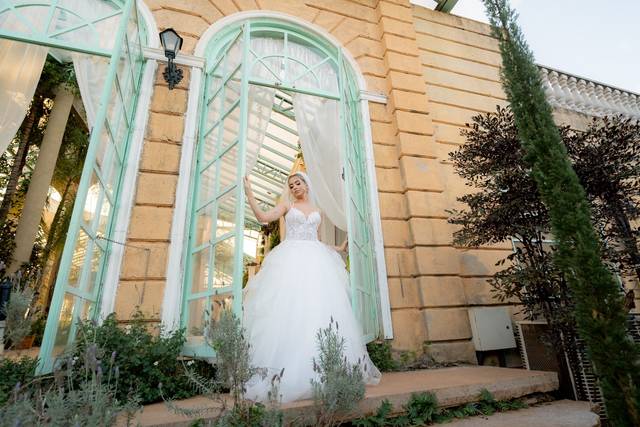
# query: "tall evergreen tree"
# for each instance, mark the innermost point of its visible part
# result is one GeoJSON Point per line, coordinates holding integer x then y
{"type": "Point", "coordinates": [598, 302]}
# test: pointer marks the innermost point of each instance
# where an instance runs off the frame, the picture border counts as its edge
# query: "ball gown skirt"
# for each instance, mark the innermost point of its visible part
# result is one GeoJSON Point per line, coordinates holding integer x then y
{"type": "Point", "coordinates": [301, 285]}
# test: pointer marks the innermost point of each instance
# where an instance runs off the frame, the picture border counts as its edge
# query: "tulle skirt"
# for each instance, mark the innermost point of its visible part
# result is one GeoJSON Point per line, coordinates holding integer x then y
{"type": "Point", "coordinates": [300, 287]}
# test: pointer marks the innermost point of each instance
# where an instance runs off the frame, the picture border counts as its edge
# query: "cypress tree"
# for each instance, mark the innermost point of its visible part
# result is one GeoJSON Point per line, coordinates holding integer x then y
{"type": "Point", "coordinates": [599, 312]}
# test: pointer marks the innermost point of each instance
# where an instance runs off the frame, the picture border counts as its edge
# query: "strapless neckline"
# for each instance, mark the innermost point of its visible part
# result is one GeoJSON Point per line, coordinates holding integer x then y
{"type": "Point", "coordinates": [306, 217]}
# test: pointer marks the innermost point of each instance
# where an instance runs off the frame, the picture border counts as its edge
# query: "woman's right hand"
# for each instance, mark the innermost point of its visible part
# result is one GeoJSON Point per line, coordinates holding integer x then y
{"type": "Point", "coordinates": [247, 183]}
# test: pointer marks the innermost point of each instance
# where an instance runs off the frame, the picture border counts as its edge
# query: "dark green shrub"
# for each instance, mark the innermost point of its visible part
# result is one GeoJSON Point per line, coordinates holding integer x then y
{"type": "Point", "coordinates": [13, 372]}
{"type": "Point", "coordinates": [144, 359]}
{"type": "Point", "coordinates": [381, 356]}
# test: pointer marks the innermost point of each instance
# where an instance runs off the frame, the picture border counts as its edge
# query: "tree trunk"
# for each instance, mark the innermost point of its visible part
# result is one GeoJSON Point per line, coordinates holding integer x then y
{"type": "Point", "coordinates": [41, 178]}
{"type": "Point", "coordinates": [18, 164]}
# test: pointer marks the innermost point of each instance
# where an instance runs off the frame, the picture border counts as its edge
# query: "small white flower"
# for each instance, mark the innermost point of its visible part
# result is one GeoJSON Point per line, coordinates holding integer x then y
{"type": "Point", "coordinates": [155, 363]}
{"type": "Point", "coordinates": [190, 362]}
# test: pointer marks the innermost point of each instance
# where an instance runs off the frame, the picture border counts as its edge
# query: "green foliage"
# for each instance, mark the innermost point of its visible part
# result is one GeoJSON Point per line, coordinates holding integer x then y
{"type": "Point", "coordinates": [144, 359]}
{"type": "Point", "coordinates": [83, 392]}
{"type": "Point", "coordinates": [599, 311]}
{"type": "Point", "coordinates": [422, 409]}
{"type": "Point", "coordinates": [507, 206]}
{"type": "Point", "coordinates": [606, 158]}
{"type": "Point", "coordinates": [341, 384]}
{"type": "Point", "coordinates": [381, 356]}
{"type": "Point", "coordinates": [19, 315]}
{"type": "Point", "coordinates": [227, 338]}
{"type": "Point", "coordinates": [12, 372]}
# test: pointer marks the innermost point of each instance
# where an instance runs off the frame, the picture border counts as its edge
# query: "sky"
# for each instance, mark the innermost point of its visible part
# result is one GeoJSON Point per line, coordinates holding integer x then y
{"type": "Point", "coordinates": [596, 39]}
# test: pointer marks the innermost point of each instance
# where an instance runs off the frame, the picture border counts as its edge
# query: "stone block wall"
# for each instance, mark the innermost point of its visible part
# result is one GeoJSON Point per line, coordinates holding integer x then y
{"type": "Point", "coordinates": [437, 71]}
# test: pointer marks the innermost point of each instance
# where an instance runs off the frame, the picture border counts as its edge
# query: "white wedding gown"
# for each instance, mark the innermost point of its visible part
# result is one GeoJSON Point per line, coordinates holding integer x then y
{"type": "Point", "coordinates": [301, 285]}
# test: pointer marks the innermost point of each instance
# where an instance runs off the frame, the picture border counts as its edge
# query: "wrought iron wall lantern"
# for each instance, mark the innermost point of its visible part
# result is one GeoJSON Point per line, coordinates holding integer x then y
{"type": "Point", "coordinates": [171, 42]}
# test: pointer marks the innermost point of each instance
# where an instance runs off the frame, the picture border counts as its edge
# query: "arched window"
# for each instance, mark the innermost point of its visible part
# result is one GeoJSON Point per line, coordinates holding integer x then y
{"type": "Point", "coordinates": [272, 92]}
{"type": "Point", "coordinates": [106, 37]}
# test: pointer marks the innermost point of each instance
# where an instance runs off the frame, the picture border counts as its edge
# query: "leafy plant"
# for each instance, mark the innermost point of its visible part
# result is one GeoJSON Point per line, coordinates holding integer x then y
{"type": "Point", "coordinates": [598, 303]}
{"type": "Point", "coordinates": [83, 392]}
{"type": "Point", "coordinates": [381, 356]}
{"type": "Point", "coordinates": [422, 409]}
{"type": "Point", "coordinates": [144, 359]}
{"type": "Point", "coordinates": [226, 337]}
{"type": "Point", "coordinates": [340, 384]}
{"type": "Point", "coordinates": [12, 372]}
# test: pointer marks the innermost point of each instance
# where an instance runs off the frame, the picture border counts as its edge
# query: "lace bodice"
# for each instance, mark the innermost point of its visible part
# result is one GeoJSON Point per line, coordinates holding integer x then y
{"type": "Point", "coordinates": [301, 227]}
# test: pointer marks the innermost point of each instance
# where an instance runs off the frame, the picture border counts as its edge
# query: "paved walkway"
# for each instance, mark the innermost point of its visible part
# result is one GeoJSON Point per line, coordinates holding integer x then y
{"type": "Point", "coordinates": [452, 386]}
{"type": "Point", "coordinates": [562, 413]}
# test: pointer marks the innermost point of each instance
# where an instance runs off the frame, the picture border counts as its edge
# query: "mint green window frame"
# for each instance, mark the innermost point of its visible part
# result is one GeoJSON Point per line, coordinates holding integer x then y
{"type": "Point", "coordinates": [201, 297]}
{"type": "Point", "coordinates": [79, 283]}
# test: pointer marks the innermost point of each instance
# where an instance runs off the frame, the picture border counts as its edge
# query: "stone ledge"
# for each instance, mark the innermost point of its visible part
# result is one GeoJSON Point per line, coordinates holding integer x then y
{"type": "Point", "coordinates": [452, 386]}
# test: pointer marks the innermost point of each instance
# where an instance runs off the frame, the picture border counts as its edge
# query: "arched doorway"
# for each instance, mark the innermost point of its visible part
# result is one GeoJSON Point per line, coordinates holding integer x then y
{"type": "Point", "coordinates": [263, 77]}
{"type": "Point", "coordinates": [107, 37]}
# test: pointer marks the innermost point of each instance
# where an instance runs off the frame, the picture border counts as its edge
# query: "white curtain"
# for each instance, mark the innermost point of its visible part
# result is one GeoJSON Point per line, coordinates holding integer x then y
{"type": "Point", "coordinates": [20, 68]}
{"type": "Point", "coordinates": [261, 97]}
{"type": "Point", "coordinates": [319, 130]}
{"type": "Point", "coordinates": [91, 71]}
{"type": "Point", "coordinates": [21, 64]}
{"type": "Point", "coordinates": [317, 118]}
{"type": "Point", "coordinates": [319, 126]}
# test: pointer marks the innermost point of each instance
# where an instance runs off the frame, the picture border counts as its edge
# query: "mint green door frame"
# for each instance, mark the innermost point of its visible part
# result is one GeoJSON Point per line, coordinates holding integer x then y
{"type": "Point", "coordinates": [78, 285]}
{"type": "Point", "coordinates": [217, 188]}
{"type": "Point", "coordinates": [363, 278]}
{"type": "Point", "coordinates": [45, 35]}
{"type": "Point", "coordinates": [362, 265]}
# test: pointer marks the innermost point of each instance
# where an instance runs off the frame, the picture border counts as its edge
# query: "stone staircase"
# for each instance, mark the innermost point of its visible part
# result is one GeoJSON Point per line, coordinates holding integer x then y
{"type": "Point", "coordinates": [452, 386]}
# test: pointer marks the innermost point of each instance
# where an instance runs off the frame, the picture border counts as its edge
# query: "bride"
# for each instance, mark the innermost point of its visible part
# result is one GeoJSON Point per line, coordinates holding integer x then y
{"type": "Point", "coordinates": [302, 284]}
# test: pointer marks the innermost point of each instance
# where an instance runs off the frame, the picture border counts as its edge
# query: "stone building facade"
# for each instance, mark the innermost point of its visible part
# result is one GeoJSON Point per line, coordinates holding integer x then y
{"type": "Point", "coordinates": [431, 72]}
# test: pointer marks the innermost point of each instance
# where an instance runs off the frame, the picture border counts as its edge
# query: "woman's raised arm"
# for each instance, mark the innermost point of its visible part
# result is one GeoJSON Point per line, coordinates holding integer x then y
{"type": "Point", "coordinates": [262, 216]}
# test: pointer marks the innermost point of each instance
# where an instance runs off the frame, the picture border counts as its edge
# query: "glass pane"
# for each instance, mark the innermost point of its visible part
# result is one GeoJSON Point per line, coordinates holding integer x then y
{"type": "Point", "coordinates": [105, 149]}
{"type": "Point", "coordinates": [228, 165]}
{"type": "Point", "coordinates": [101, 210]}
{"type": "Point", "coordinates": [215, 82]}
{"type": "Point", "coordinates": [231, 130]}
{"type": "Point", "coordinates": [94, 268]}
{"type": "Point", "coordinates": [92, 200]}
{"type": "Point", "coordinates": [221, 302]}
{"type": "Point", "coordinates": [203, 225]}
{"type": "Point", "coordinates": [207, 185]}
{"type": "Point", "coordinates": [197, 317]}
{"type": "Point", "coordinates": [209, 142]}
{"type": "Point", "coordinates": [77, 260]}
{"type": "Point", "coordinates": [234, 57]}
{"type": "Point", "coordinates": [226, 214]}
{"type": "Point", "coordinates": [65, 320]}
{"type": "Point", "coordinates": [125, 80]}
{"type": "Point", "coordinates": [223, 263]}
{"type": "Point", "coordinates": [200, 271]}
{"type": "Point", "coordinates": [266, 53]}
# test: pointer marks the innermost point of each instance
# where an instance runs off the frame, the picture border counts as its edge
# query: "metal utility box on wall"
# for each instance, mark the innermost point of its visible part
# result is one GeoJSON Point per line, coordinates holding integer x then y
{"type": "Point", "coordinates": [491, 328]}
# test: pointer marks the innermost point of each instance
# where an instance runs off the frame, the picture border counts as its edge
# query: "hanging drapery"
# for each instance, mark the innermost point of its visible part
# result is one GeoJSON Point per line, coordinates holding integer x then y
{"type": "Point", "coordinates": [260, 97]}
{"type": "Point", "coordinates": [319, 130]}
{"type": "Point", "coordinates": [90, 70]}
{"type": "Point", "coordinates": [317, 118]}
{"type": "Point", "coordinates": [21, 63]}
{"type": "Point", "coordinates": [318, 123]}
{"type": "Point", "coordinates": [20, 68]}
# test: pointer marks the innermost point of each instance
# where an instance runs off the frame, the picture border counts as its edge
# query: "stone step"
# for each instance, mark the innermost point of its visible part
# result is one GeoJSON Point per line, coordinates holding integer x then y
{"type": "Point", "coordinates": [561, 413]}
{"type": "Point", "coordinates": [452, 386]}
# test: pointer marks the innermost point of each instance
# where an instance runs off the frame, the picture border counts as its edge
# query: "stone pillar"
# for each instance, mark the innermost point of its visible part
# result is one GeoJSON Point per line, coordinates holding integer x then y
{"type": "Point", "coordinates": [41, 178]}
{"type": "Point", "coordinates": [423, 266]}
